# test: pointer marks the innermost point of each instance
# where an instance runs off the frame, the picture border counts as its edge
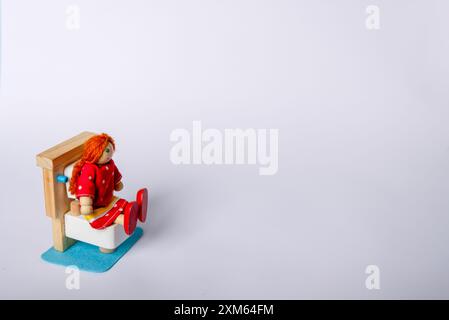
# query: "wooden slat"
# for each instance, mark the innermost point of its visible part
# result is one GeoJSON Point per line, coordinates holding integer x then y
{"type": "Point", "coordinates": [49, 193]}
{"type": "Point", "coordinates": [60, 241]}
{"type": "Point", "coordinates": [57, 202]}
{"type": "Point", "coordinates": [63, 153]}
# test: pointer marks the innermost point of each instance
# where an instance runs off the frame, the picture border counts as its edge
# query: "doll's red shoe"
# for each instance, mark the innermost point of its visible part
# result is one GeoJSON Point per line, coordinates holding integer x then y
{"type": "Point", "coordinates": [130, 217]}
{"type": "Point", "coordinates": [142, 201]}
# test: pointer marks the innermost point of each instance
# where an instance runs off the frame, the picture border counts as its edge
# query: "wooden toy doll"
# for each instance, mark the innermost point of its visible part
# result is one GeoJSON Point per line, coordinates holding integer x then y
{"type": "Point", "coordinates": [94, 179]}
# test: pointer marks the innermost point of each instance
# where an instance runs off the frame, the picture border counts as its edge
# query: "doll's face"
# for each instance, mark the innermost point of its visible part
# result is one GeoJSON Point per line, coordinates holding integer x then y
{"type": "Point", "coordinates": [107, 154]}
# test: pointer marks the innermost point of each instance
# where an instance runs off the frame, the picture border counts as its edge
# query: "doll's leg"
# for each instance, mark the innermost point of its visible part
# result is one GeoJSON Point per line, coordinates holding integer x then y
{"type": "Point", "coordinates": [130, 217]}
{"type": "Point", "coordinates": [104, 217]}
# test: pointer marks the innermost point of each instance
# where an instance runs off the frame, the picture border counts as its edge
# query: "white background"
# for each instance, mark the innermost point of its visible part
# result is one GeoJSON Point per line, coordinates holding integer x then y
{"type": "Point", "coordinates": [364, 143]}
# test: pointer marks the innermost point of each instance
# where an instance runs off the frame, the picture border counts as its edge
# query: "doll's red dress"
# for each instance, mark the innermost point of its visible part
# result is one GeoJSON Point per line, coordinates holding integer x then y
{"type": "Point", "coordinates": [98, 182]}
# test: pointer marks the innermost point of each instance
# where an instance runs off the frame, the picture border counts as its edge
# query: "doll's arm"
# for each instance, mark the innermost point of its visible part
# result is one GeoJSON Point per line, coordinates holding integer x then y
{"type": "Point", "coordinates": [86, 189]}
{"type": "Point", "coordinates": [86, 205]}
{"type": "Point", "coordinates": [118, 184]}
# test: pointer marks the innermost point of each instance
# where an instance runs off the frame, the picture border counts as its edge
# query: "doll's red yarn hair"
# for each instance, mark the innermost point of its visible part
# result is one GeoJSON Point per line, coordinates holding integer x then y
{"type": "Point", "coordinates": [93, 149]}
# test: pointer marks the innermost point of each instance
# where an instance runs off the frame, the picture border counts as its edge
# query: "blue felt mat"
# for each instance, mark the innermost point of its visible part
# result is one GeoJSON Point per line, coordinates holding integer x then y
{"type": "Point", "coordinates": [88, 257]}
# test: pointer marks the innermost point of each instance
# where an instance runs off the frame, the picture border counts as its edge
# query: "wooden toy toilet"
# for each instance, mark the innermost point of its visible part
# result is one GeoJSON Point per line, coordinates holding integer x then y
{"type": "Point", "coordinates": [68, 226]}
